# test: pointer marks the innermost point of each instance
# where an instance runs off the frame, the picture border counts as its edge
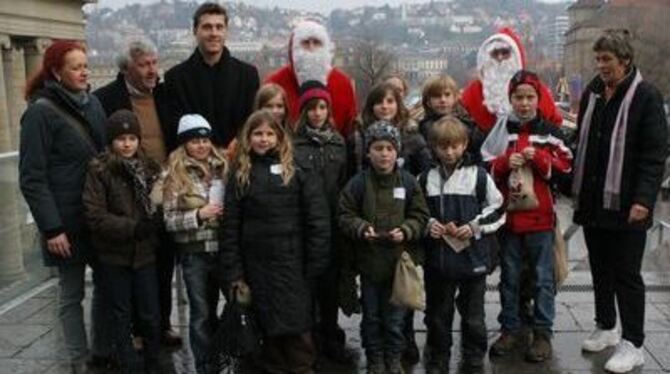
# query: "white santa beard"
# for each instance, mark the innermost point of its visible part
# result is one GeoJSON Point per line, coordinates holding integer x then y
{"type": "Point", "coordinates": [495, 80]}
{"type": "Point", "coordinates": [311, 66]}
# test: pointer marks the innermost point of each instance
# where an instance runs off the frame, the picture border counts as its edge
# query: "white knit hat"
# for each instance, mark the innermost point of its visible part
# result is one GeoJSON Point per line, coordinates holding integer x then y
{"type": "Point", "coordinates": [193, 126]}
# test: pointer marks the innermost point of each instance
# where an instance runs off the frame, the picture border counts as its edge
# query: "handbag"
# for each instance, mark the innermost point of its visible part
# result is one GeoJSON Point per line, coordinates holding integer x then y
{"type": "Point", "coordinates": [408, 290]}
{"type": "Point", "coordinates": [237, 335]}
{"type": "Point", "coordinates": [561, 268]}
{"type": "Point", "coordinates": [521, 193]}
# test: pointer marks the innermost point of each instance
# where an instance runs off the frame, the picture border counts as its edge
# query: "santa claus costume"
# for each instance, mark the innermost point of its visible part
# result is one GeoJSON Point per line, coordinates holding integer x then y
{"type": "Point", "coordinates": [486, 98]}
{"type": "Point", "coordinates": [316, 65]}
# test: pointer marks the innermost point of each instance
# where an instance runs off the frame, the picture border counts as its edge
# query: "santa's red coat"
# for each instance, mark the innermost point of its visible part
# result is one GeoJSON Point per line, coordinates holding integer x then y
{"type": "Point", "coordinates": [472, 99]}
{"type": "Point", "coordinates": [341, 92]}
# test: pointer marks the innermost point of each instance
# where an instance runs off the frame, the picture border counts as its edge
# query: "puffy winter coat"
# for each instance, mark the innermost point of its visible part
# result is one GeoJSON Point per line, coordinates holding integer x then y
{"type": "Point", "coordinates": [113, 212]}
{"type": "Point", "coordinates": [276, 238]}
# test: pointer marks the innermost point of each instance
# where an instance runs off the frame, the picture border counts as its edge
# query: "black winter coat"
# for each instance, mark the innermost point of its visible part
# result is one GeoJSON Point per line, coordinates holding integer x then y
{"type": "Point", "coordinates": [53, 160]}
{"type": "Point", "coordinates": [115, 96]}
{"type": "Point", "coordinates": [645, 154]}
{"type": "Point", "coordinates": [223, 93]}
{"type": "Point", "coordinates": [276, 238]}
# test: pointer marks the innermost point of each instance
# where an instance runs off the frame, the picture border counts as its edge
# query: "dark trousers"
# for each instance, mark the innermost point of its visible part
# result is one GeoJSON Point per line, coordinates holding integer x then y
{"type": "Point", "coordinates": [327, 309]}
{"type": "Point", "coordinates": [616, 261]}
{"type": "Point", "coordinates": [133, 292]}
{"type": "Point", "coordinates": [443, 296]}
{"type": "Point", "coordinates": [382, 323]}
{"type": "Point", "coordinates": [285, 354]}
{"type": "Point", "coordinates": [166, 259]}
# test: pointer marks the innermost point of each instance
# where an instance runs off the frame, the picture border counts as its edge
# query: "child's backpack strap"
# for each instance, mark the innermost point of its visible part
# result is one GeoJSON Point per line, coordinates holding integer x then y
{"type": "Point", "coordinates": [480, 187]}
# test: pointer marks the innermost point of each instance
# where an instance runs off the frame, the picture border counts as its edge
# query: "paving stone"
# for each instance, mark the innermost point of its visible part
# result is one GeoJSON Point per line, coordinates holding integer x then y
{"type": "Point", "coordinates": [20, 366]}
{"type": "Point", "coordinates": [24, 310]}
{"type": "Point", "coordinates": [14, 338]}
{"type": "Point", "coordinates": [658, 346]}
{"type": "Point", "coordinates": [50, 346]}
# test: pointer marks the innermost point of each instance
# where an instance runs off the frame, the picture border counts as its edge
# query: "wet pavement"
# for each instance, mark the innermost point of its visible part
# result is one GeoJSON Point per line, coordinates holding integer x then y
{"type": "Point", "coordinates": [31, 342]}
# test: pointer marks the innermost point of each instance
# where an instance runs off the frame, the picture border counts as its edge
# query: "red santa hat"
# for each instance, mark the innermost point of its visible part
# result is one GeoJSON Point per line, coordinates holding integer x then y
{"type": "Point", "coordinates": [504, 38]}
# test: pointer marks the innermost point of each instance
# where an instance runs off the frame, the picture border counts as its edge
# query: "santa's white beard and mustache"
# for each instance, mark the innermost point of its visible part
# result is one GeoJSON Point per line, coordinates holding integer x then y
{"type": "Point", "coordinates": [312, 66]}
{"type": "Point", "coordinates": [495, 80]}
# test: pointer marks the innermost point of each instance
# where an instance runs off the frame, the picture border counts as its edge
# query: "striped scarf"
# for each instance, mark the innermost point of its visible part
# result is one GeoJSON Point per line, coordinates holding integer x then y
{"type": "Point", "coordinates": [612, 191]}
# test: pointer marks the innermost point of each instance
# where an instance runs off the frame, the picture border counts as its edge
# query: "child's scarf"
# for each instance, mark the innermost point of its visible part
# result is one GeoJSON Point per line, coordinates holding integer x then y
{"type": "Point", "coordinates": [612, 191]}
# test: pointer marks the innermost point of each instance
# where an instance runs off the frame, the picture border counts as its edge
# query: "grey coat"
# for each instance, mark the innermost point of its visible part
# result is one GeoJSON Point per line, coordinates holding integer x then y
{"type": "Point", "coordinates": [53, 159]}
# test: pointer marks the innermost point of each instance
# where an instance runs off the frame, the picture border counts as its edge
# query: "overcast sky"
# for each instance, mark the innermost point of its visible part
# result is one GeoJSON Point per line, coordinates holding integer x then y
{"type": "Point", "coordinates": [321, 5]}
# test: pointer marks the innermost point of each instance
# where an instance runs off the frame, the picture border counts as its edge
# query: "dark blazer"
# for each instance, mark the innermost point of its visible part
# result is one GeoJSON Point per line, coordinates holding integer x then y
{"type": "Point", "coordinates": [224, 93]}
{"type": "Point", "coordinates": [115, 96]}
{"type": "Point", "coordinates": [53, 159]}
{"type": "Point", "coordinates": [645, 154]}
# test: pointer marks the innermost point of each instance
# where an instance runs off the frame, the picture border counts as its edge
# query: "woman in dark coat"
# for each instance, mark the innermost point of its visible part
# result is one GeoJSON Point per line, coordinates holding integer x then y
{"type": "Point", "coordinates": [61, 131]}
{"type": "Point", "coordinates": [617, 174]}
{"type": "Point", "coordinates": [275, 238]}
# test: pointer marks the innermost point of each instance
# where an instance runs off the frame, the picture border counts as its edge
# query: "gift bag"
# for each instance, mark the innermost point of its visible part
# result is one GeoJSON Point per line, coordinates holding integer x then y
{"type": "Point", "coordinates": [408, 288]}
{"type": "Point", "coordinates": [561, 268]}
{"type": "Point", "coordinates": [237, 335]}
{"type": "Point", "coordinates": [521, 193]}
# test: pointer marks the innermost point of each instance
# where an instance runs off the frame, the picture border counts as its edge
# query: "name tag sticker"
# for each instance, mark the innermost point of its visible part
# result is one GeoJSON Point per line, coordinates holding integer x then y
{"type": "Point", "coordinates": [275, 169]}
{"type": "Point", "coordinates": [399, 193]}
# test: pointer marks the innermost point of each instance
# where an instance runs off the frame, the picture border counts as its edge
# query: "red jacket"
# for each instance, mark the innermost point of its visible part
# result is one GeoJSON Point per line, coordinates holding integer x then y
{"type": "Point", "coordinates": [340, 88]}
{"type": "Point", "coordinates": [551, 156]}
{"type": "Point", "coordinates": [472, 99]}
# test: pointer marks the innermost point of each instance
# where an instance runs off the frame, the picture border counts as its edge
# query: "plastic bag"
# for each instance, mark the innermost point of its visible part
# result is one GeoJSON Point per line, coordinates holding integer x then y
{"type": "Point", "coordinates": [496, 141]}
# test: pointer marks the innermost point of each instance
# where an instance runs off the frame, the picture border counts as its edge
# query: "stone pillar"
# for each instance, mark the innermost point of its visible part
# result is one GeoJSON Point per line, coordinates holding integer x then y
{"type": "Point", "coordinates": [34, 52]}
{"type": "Point", "coordinates": [15, 83]}
{"type": "Point", "coordinates": [5, 134]}
{"type": "Point", "coordinates": [11, 253]}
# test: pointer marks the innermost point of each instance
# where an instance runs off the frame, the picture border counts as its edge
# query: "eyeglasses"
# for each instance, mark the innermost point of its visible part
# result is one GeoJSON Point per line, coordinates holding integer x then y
{"type": "Point", "coordinates": [501, 52]}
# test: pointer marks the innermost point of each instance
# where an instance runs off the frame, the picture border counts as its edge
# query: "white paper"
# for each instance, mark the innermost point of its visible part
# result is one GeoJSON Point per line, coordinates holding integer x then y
{"type": "Point", "coordinates": [276, 169]}
{"type": "Point", "coordinates": [399, 193]}
{"type": "Point", "coordinates": [216, 192]}
{"type": "Point", "coordinates": [456, 244]}
{"type": "Point", "coordinates": [400, 162]}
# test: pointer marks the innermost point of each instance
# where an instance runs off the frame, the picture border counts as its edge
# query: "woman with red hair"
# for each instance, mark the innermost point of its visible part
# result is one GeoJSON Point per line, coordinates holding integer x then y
{"type": "Point", "coordinates": [61, 131]}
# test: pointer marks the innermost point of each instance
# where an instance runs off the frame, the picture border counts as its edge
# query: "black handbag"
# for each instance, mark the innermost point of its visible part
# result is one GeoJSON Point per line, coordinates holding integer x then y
{"type": "Point", "coordinates": [237, 336]}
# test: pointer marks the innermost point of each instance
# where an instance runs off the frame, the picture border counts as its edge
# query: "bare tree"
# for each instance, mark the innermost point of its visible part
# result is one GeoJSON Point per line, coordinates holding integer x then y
{"type": "Point", "coordinates": [369, 63]}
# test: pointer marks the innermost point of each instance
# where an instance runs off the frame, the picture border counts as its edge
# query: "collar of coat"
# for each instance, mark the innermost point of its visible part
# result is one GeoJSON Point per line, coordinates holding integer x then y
{"type": "Point", "coordinates": [197, 58]}
{"type": "Point", "coordinates": [597, 85]}
{"type": "Point", "coordinates": [113, 163]}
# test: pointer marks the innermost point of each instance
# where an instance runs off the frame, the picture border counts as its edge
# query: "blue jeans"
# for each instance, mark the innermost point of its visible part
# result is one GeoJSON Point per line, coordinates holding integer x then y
{"type": "Point", "coordinates": [539, 246]}
{"type": "Point", "coordinates": [134, 292]}
{"type": "Point", "coordinates": [382, 323]}
{"type": "Point", "coordinates": [71, 291]}
{"type": "Point", "coordinates": [202, 288]}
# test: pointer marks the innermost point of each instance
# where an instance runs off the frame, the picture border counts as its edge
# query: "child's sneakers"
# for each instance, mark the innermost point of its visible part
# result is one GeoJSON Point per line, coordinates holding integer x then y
{"type": "Point", "coordinates": [601, 339]}
{"type": "Point", "coordinates": [540, 350]}
{"type": "Point", "coordinates": [506, 343]}
{"type": "Point", "coordinates": [625, 358]}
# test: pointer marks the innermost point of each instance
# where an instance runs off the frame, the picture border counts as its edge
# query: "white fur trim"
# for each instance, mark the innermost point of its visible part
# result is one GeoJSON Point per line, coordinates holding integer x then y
{"type": "Point", "coordinates": [496, 41]}
{"type": "Point", "coordinates": [310, 29]}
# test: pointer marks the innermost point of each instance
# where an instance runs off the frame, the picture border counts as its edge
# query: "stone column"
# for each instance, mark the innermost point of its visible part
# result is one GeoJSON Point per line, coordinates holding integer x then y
{"type": "Point", "coordinates": [34, 52]}
{"type": "Point", "coordinates": [11, 252]}
{"type": "Point", "coordinates": [15, 83]}
{"type": "Point", "coordinates": [5, 134]}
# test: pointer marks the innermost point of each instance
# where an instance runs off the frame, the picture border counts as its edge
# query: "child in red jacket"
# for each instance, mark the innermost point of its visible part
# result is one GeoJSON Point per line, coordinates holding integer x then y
{"type": "Point", "coordinates": [534, 152]}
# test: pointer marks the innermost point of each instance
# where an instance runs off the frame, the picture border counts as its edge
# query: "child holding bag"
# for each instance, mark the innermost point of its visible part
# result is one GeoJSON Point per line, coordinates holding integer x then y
{"type": "Point", "coordinates": [275, 239]}
{"type": "Point", "coordinates": [534, 152]}
{"type": "Point", "coordinates": [383, 211]}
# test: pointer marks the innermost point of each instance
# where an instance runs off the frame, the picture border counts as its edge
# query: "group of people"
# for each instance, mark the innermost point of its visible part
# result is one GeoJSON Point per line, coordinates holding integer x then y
{"type": "Point", "coordinates": [284, 191]}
